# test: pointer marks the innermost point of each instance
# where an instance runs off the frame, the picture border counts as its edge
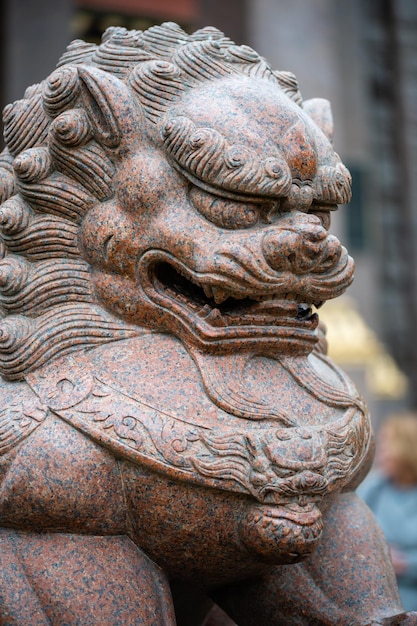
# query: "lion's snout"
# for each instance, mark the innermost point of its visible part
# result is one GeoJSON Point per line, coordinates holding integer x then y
{"type": "Point", "coordinates": [301, 247]}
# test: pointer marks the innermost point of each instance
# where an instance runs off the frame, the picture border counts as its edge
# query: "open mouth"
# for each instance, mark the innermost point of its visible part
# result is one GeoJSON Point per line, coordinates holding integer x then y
{"type": "Point", "coordinates": [219, 306]}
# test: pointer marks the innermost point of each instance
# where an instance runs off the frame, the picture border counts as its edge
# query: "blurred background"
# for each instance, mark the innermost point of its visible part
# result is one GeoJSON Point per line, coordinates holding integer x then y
{"type": "Point", "coordinates": [362, 56]}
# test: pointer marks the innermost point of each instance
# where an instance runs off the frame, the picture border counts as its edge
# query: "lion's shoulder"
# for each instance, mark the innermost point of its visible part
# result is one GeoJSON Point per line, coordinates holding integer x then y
{"type": "Point", "coordinates": [21, 413]}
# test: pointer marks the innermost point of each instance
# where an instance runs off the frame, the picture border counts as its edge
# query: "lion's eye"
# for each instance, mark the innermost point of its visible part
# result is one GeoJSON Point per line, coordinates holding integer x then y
{"type": "Point", "coordinates": [223, 212]}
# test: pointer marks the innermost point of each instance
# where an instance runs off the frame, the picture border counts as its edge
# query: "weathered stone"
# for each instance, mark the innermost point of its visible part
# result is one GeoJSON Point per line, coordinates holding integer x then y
{"type": "Point", "coordinates": [172, 431]}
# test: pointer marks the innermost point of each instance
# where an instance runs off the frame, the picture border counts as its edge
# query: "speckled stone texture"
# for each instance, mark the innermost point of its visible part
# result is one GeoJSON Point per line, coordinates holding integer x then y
{"type": "Point", "coordinates": [175, 445]}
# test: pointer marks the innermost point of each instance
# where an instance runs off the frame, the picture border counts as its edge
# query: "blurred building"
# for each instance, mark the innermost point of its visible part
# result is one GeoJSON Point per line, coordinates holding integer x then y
{"type": "Point", "coordinates": [362, 56]}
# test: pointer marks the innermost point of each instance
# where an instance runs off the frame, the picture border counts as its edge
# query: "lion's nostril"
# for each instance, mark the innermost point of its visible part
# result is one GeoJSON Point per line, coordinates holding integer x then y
{"type": "Point", "coordinates": [280, 249]}
{"type": "Point", "coordinates": [300, 250]}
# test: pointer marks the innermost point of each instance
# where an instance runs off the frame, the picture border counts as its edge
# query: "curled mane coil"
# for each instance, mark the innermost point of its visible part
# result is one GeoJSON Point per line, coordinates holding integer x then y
{"type": "Point", "coordinates": [211, 33]}
{"type": "Point", "coordinates": [163, 40]}
{"type": "Point", "coordinates": [61, 90]}
{"type": "Point", "coordinates": [202, 60]}
{"type": "Point", "coordinates": [26, 344]}
{"type": "Point", "coordinates": [14, 216]}
{"type": "Point", "coordinates": [14, 274]}
{"type": "Point", "coordinates": [33, 164]}
{"type": "Point", "coordinates": [158, 83]}
{"type": "Point", "coordinates": [58, 195]}
{"type": "Point", "coordinates": [33, 288]}
{"type": "Point", "coordinates": [88, 165]}
{"type": "Point", "coordinates": [78, 51]}
{"type": "Point", "coordinates": [44, 237]}
{"type": "Point", "coordinates": [25, 125]}
{"type": "Point", "coordinates": [7, 180]}
{"type": "Point", "coordinates": [120, 51]}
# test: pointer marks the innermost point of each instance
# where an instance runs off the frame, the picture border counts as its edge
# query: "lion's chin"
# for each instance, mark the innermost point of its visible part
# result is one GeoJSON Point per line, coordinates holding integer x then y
{"type": "Point", "coordinates": [278, 535]}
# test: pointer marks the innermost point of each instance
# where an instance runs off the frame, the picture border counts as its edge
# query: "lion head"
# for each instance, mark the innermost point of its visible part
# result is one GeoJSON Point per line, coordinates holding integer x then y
{"type": "Point", "coordinates": [168, 182]}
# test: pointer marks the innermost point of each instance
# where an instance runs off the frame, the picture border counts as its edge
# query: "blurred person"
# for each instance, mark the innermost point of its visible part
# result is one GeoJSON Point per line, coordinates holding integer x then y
{"type": "Point", "coordinates": [391, 493]}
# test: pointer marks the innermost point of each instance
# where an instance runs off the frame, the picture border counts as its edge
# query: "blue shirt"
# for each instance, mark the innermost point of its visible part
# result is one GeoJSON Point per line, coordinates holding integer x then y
{"type": "Point", "coordinates": [395, 509]}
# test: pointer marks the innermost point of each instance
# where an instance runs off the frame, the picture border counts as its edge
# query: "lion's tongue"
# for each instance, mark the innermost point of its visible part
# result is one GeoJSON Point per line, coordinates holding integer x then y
{"type": "Point", "coordinates": [254, 313]}
{"type": "Point", "coordinates": [269, 308]}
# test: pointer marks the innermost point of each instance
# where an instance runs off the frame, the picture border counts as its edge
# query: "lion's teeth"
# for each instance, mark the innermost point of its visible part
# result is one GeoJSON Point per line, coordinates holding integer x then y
{"type": "Point", "coordinates": [219, 295]}
{"type": "Point", "coordinates": [208, 291]}
{"type": "Point", "coordinates": [215, 318]}
{"type": "Point", "coordinates": [204, 311]}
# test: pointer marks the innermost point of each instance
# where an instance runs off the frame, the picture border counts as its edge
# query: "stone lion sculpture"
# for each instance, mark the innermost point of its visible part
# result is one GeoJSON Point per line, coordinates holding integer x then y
{"type": "Point", "coordinates": [172, 433]}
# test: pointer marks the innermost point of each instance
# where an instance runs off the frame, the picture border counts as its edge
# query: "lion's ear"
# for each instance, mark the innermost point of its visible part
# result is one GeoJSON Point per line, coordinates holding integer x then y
{"type": "Point", "coordinates": [320, 111]}
{"type": "Point", "coordinates": [109, 105]}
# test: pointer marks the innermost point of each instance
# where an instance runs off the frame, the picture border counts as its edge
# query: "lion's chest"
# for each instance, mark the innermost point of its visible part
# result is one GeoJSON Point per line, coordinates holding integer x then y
{"type": "Point", "coordinates": [249, 426]}
{"type": "Point", "coordinates": [243, 452]}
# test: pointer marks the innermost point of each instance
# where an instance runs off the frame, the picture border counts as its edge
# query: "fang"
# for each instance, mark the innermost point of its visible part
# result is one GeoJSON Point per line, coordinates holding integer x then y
{"type": "Point", "coordinates": [219, 295]}
{"type": "Point", "coordinates": [215, 318]}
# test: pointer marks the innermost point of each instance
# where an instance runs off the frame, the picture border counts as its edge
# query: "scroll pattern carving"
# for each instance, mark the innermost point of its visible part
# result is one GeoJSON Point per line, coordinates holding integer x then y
{"type": "Point", "coordinates": [270, 463]}
{"type": "Point", "coordinates": [18, 421]}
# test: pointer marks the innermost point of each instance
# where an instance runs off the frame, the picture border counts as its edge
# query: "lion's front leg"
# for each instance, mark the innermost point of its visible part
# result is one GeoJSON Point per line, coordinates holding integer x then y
{"type": "Point", "coordinates": [348, 581]}
{"type": "Point", "coordinates": [66, 579]}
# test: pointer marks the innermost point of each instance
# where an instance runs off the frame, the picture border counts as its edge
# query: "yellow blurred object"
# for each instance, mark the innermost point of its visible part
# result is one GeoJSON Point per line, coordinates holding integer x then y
{"type": "Point", "coordinates": [353, 344]}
